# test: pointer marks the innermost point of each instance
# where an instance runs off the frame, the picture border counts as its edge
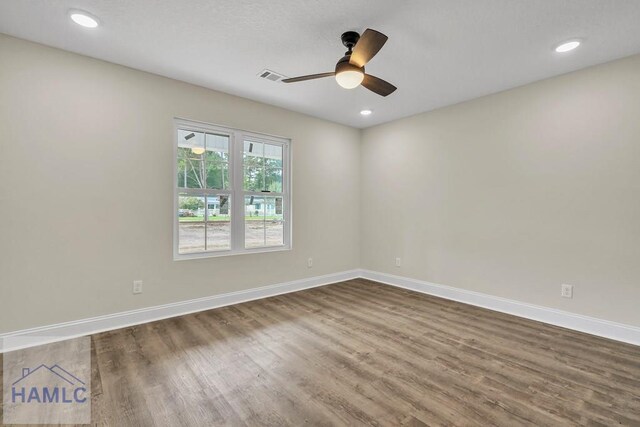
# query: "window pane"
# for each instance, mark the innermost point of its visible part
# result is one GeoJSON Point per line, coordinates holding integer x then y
{"type": "Point", "coordinates": [190, 168]}
{"type": "Point", "coordinates": [254, 224]}
{"type": "Point", "coordinates": [274, 222]}
{"type": "Point", "coordinates": [253, 165]}
{"type": "Point", "coordinates": [253, 179]}
{"type": "Point", "coordinates": [217, 143]}
{"type": "Point", "coordinates": [273, 156]}
{"type": "Point", "coordinates": [254, 150]}
{"type": "Point", "coordinates": [218, 223]}
{"type": "Point", "coordinates": [217, 161]}
{"type": "Point", "coordinates": [191, 140]}
{"type": "Point", "coordinates": [264, 221]}
{"type": "Point", "coordinates": [217, 174]}
{"type": "Point", "coordinates": [203, 160]}
{"type": "Point", "coordinates": [273, 180]}
{"type": "Point", "coordinates": [191, 233]}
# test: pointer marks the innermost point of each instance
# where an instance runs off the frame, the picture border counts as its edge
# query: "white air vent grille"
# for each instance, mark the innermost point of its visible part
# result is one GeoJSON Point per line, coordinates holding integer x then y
{"type": "Point", "coordinates": [271, 75]}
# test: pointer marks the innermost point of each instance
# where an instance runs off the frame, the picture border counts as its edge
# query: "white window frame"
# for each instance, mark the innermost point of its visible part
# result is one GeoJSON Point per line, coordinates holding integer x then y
{"type": "Point", "coordinates": [235, 190]}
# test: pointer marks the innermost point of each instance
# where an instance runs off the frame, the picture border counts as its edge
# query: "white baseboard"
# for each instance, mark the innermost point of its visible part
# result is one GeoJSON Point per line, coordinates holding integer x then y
{"type": "Point", "coordinates": [61, 331]}
{"type": "Point", "coordinates": [603, 328]}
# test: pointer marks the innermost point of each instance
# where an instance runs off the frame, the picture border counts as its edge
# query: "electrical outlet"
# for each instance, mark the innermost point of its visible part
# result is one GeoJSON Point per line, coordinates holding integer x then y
{"type": "Point", "coordinates": [566, 291]}
{"type": "Point", "coordinates": [398, 262]}
{"type": "Point", "coordinates": [137, 286]}
{"type": "Point", "coordinates": [309, 262]}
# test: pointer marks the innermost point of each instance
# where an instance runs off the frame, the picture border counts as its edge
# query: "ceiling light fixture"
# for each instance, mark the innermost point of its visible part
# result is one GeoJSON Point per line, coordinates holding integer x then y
{"type": "Point", "coordinates": [83, 18]}
{"type": "Point", "coordinates": [567, 46]}
{"type": "Point", "coordinates": [349, 76]}
{"type": "Point", "coordinates": [366, 112]}
{"type": "Point", "coordinates": [349, 71]}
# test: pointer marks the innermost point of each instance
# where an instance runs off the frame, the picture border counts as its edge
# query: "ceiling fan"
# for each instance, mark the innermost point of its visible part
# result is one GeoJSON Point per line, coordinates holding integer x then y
{"type": "Point", "coordinates": [349, 71]}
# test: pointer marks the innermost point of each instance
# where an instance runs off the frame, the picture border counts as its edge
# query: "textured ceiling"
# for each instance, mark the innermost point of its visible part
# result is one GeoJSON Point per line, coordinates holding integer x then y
{"type": "Point", "coordinates": [439, 52]}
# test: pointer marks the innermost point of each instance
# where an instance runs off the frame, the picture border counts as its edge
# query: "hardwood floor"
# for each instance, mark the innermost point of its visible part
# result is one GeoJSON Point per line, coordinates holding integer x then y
{"type": "Point", "coordinates": [360, 353]}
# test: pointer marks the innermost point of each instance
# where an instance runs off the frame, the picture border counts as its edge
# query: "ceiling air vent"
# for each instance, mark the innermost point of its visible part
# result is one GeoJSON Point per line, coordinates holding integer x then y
{"type": "Point", "coordinates": [271, 75]}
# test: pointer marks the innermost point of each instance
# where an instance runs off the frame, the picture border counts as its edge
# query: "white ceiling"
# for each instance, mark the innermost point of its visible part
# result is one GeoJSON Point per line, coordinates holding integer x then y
{"type": "Point", "coordinates": [439, 52]}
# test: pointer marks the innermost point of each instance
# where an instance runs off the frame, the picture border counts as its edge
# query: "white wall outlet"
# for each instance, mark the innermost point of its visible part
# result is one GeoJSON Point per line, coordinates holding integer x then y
{"type": "Point", "coordinates": [309, 262]}
{"type": "Point", "coordinates": [137, 286]}
{"type": "Point", "coordinates": [566, 291]}
{"type": "Point", "coordinates": [398, 262]}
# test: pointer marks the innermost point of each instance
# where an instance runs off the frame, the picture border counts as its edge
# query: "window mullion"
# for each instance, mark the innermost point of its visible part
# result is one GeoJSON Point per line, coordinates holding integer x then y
{"type": "Point", "coordinates": [237, 184]}
{"type": "Point", "coordinates": [286, 194]}
{"type": "Point", "coordinates": [206, 222]}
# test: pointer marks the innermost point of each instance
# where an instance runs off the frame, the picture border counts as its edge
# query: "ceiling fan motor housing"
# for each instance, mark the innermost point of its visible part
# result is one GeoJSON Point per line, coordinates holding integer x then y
{"type": "Point", "coordinates": [344, 65]}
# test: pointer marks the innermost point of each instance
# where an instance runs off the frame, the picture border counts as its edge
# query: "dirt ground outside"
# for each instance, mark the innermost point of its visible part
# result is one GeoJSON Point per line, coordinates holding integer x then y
{"type": "Point", "coordinates": [257, 234]}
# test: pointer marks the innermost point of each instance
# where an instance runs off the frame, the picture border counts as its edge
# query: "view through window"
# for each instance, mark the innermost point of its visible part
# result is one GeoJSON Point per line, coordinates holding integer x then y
{"type": "Point", "coordinates": [231, 191]}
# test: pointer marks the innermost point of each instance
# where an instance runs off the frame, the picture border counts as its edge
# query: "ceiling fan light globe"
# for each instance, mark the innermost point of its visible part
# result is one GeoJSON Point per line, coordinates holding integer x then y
{"type": "Point", "coordinates": [350, 79]}
{"type": "Point", "coordinates": [197, 150]}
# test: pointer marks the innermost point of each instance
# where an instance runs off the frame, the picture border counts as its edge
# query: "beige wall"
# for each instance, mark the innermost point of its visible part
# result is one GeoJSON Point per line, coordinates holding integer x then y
{"type": "Point", "coordinates": [86, 189]}
{"type": "Point", "coordinates": [516, 193]}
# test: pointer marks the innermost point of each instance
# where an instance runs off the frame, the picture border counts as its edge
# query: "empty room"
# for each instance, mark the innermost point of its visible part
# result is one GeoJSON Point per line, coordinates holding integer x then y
{"type": "Point", "coordinates": [320, 213]}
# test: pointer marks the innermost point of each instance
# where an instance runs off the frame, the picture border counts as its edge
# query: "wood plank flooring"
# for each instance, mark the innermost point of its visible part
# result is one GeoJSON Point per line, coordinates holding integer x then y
{"type": "Point", "coordinates": [360, 353]}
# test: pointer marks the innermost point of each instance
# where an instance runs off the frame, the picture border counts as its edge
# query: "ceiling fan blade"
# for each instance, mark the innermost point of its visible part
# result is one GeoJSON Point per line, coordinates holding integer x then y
{"type": "Point", "coordinates": [377, 85]}
{"type": "Point", "coordinates": [370, 42]}
{"type": "Point", "coordinates": [309, 77]}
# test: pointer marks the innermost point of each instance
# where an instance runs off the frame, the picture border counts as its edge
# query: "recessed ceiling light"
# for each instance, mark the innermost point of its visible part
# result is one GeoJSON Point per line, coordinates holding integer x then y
{"type": "Point", "coordinates": [567, 46]}
{"type": "Point", "coordinates": [83, 18]}
{"type": "Point", "coordinates": [366, 112]}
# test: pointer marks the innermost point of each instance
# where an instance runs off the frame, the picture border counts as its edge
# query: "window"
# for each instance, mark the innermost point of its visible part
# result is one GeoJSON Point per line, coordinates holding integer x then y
{"type": "Point", "coordinates": [232, 191]}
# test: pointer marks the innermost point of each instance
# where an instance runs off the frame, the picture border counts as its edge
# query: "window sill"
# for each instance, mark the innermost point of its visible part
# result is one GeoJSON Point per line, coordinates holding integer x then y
{"type": "Point", "coordinates": [218, 254]}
